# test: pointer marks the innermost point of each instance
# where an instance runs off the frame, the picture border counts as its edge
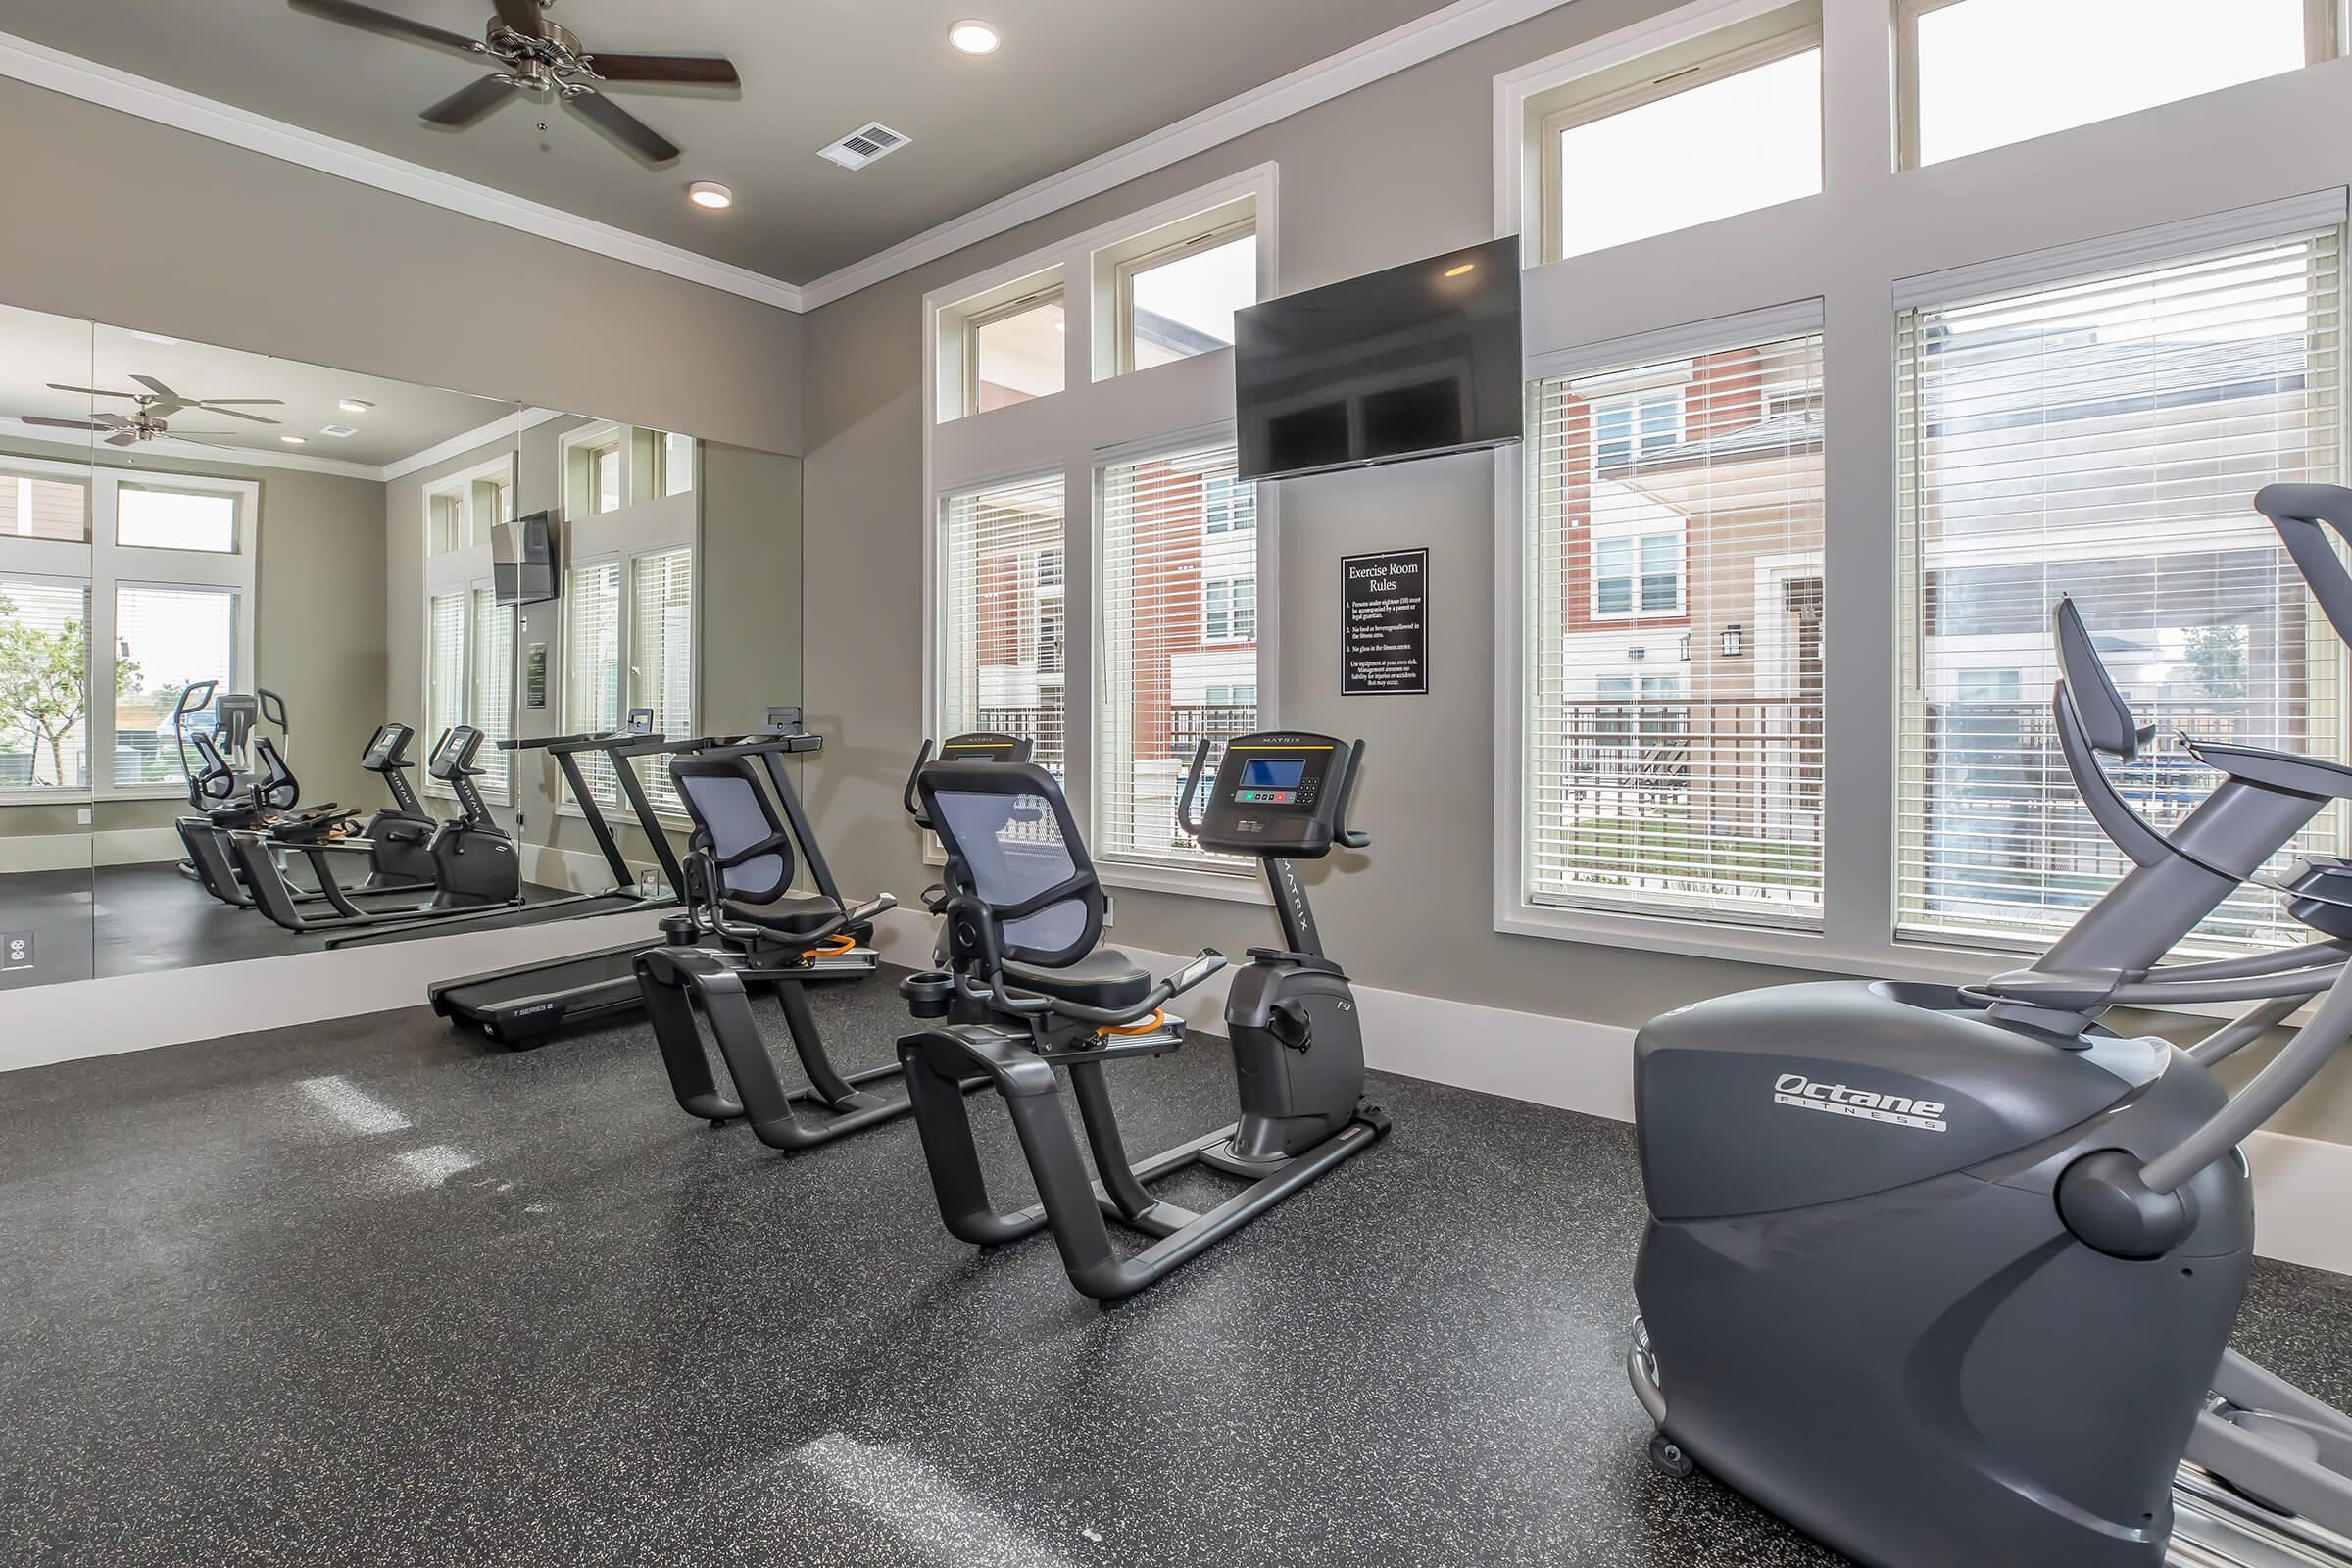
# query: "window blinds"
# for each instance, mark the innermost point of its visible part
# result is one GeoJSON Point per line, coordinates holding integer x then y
{"type": "Point", "coordinates": [1176, 616]}
{"type": "Point", "coordinates": [44, 731]}
{"type": "Point", "coordinates": [490, 698]}
{"type": "Point", "coordinates": [1001, 654]}
{"type": "Point", "coordinates": [2103, 436]}
{"type": "Point", "coordinates": [592, 664]}
{"type": "Point", "coordinates": [1672, 746]}
{"type": "Point", "coordinates": [169, 639]}
{"type": "Point", "coordinates": [444, 671]}
{"type": "Point", "coordinates": [662, 659]}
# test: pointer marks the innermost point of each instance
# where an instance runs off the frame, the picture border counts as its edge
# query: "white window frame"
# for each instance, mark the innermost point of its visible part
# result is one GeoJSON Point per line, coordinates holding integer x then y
{"type": "Point", "coordinates": [1204, 235]}
{"type": "Point", "coordinates": [462, 570]}
{"type": "Point", "coordinates": [1096, 422]}
{"type": "Point", "coordinates": [1874, 226]}
{"type": "Point", "coordinates": [2322, 39]}
{"type": "Point", "coordinates": [647, 523]}
{"type": "Point", "coordinates": [105, 565]}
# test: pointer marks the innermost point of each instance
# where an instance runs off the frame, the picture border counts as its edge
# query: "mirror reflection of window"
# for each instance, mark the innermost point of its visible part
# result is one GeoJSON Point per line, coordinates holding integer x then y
{"type": "Point", "coordinates": [677, 463]}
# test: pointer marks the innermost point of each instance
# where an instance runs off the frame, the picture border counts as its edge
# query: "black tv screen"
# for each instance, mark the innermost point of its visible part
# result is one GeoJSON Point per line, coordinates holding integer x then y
{"type": "Point", "coordinates": [523, 560]}
{"type": "Point", "coordinates": [1409, 362]}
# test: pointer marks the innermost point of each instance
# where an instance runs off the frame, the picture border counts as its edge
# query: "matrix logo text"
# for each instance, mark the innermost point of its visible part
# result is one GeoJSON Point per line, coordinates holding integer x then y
{"type": "Point", "coordinates": [1796, 1090]}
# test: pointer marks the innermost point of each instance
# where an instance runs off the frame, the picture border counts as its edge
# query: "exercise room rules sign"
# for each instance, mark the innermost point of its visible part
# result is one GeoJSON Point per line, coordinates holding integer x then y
{"type": "Point", "coordinates": [1384, 631]}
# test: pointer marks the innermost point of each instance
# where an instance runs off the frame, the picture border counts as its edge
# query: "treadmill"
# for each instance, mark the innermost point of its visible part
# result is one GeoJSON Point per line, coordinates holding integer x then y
{"type": "Point", "coordinates": [636, 737]}
{"type": "Point", "coordinates": [520, 1005]}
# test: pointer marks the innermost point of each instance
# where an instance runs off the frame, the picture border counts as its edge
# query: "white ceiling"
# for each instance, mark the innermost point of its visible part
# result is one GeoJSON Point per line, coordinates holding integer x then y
{"type": "Point", "coordinates": [37, 349]}
{"type": "Point", "coordinates": [1072, 81]}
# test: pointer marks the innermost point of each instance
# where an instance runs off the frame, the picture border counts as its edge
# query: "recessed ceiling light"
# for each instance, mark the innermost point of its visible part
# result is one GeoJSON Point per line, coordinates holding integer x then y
{"type": "Point", "coordinates": [974, 37]}
{"type": "Point", "coordinates": [295, 440]}
{"type": "Point", "coordinates": [1457, 271]}
{"type": "Point", "coordinates": [155, 337]}
{"type": "Point", "coordinates": [710, 194]}
{"type": "Point", "coordinates": [354, 405]}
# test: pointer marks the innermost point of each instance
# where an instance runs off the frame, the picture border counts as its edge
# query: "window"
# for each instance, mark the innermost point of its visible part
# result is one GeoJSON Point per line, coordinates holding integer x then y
{"type": "Point", "coordinates": [445, 521]}
{"type": "Point", "coordinates": [1644, 571]}
{"type": "Point", "coordinates": [1174, 655]}
{"type": "Point", "coordinates": [675, 454]}
{"type": "Point", "coordinates": [39, 506]}
{"type": "Point", "coordinates": [604, 489]}
{"type": "Point", "coordinates": [45, 683]}
{"type": "Point", "coordinates": [468, 637]}
{"type": "Point", "coordinates": [167, 639]}
{"type": "Point", "coordinates": [662, 659]}
{"type": "Point", "coordinates": [1680, 146]}
{"type": "Point", "coordinates": [1000, 614]}
{"type": "Point", "coordinates": [592, 664]}
{"type": "Point", "coordinates": [1673, 686]}
{"type": "Point", "coordinates": [1982, 73]}
{"type": "Point", "coordinates": [493, 503]}
{"type": "Point", "coordinates": [1180, 301]}
{"type": "Point", "coordinates": [151, 517]}
{"type": "Point", "coordinates": [445, 683]}
{"type": "Point", "coordinates": [2101, 436]}
{"type": "Point", "coordinates": [1629, 427]}
{"type": "Point", "coordinates": [490, 688]}
{"type": "Point", "coordinates": [1228, 505]}
{"type": "Point", "coordinates": [1229, 610]}
{"type": "Point", "coordinates": [1015, 353]}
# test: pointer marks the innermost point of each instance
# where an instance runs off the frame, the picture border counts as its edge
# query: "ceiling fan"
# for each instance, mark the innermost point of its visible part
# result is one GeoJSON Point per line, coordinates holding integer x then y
{"type": "Point", "coordinates": [535, 54]}
{"type": "Point", "coordinates": [151, 413]}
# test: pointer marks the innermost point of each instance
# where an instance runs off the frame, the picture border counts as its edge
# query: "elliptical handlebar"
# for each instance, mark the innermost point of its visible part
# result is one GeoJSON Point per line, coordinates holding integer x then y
{"type": "Point", "coordinates": [274, 708]}
{"type": "Point", "coordinates": [1184, 818]}
{"type": "Point", "coordinates": [2298, 512]}
{"type": "Point", "coordinates": [915, 805]}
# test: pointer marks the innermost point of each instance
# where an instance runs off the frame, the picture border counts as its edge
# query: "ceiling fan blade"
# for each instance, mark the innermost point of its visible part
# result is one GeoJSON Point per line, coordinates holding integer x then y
{"type": "Point", "coordinates": [625, 127]}
{"type": "Point", "coordinates": [165, 408]}
{"type": "Point", "coordinates": [214, 403]}
{"type": "Point", "coordinates": [159, 389]}
{"type": "Point", "coordinates": [716, 71]}
{"type": "Point", "coordinates": [354, 15]}
{"type": "Point", "coordinates": [93, 391]}
{"type": "Point", "coordinates": [231, 414]}
{"type": "Point", "coordinates": [522, 16]}
{"type": "Point", "coordinates": [112, 422]}
{"type": "Point", "coordinates": [471, 102]}
{"type": "Point", "coordinates": [63, 424]}
{"type": "Point", "coordinates": [124, 438]}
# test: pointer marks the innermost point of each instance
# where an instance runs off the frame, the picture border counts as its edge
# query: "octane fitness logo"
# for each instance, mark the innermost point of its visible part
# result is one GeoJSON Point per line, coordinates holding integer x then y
{"type": "Point", "coordinates": [1795, 1089]}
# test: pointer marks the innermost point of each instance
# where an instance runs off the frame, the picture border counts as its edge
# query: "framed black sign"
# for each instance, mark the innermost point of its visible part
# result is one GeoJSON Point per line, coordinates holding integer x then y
{"type": "Point", "coordinates": [1384, 625]}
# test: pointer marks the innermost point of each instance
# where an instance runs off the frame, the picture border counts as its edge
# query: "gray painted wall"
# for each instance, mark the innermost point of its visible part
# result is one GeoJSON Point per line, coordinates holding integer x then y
{"type": "Point", "coordinates": [1398, 170]}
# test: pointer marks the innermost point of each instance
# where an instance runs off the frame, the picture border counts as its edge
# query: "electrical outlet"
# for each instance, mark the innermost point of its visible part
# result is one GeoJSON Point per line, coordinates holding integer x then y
{"type": "Point", "coordinates": [1106, 906]}
{"type": "Point", "coordinates": [82, 817]}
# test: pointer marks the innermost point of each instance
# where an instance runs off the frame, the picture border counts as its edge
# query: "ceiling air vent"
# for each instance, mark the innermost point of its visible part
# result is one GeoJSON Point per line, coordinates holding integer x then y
{"type": "Point", "coordinates": [863, 145]}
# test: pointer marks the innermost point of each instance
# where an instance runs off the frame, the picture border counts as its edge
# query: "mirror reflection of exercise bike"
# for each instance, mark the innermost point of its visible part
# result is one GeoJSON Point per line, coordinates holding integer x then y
{"type": "Point", "coordinates": [398, 836]}
{"type": "Point", "coordinates": [1023, 907]}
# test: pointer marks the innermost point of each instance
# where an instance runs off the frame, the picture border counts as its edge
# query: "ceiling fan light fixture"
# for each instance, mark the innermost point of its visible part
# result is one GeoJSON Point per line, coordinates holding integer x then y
{"type": "Point", "coordinates": [975, 36]}
{"type": "Point", "coordinates": [354, 405]}
{"type": "Point", "coordinates": [711, 195]}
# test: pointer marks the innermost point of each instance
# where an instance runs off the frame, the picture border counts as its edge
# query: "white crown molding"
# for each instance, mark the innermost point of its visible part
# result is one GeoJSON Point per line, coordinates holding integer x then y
{"type": "Point", "coordinates": [40, 66]}
{"type": "Point", "coordinates": [513, 424]}
{"type": "Point", "coordinates": [194, 452]}
{"type": "Point", "coordinates": [1396, 50]}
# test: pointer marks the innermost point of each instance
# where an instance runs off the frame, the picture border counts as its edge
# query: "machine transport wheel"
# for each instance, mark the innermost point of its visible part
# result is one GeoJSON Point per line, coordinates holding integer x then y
{"type": "Point", "coordinates": [1668, 1457]}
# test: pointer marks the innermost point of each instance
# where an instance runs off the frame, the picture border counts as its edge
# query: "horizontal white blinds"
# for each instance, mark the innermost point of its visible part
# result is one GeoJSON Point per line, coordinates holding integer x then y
{"type": "Point", "coordinates": [444, 670]}
{"type": "Point", "coordinates": [662, 659]}
{"type": "Point", "coordinates": [2103, 437]}
{"type": "Point", "coordinates": [1674, 622]}
{"type": "Point", "coordinates": [592, 665]}
{"type": "Point", "coordinates": [44, 703]}
{"type": "Point", "coordinates": [1000, 650]}
{"type": "Point", "coordinates": [490, 695]}
{"type": "Point", "coordinates": [1177, 627]}
{"type": "Point", "coordinates": [167, 640]}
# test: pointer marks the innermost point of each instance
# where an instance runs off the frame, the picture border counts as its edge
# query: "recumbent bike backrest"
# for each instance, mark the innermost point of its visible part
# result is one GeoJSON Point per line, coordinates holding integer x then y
{"type": "Point", "coordinates": [735, 821]}
{"type": "Point", "coordinates": [1009, 829]}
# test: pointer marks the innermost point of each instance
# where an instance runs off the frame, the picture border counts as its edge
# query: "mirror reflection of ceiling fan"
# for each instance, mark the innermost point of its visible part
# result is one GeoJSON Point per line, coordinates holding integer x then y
{"type": "Point", "coordinates": [151, 413]}
{"type": "Point", "coordinates": [536, 56]}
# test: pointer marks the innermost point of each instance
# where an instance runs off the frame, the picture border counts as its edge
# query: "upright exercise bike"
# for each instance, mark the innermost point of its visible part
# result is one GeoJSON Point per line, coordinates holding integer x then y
{"type": "Point", "coordinates": [1945, 1276]}
{"type": "Point", "coordinates": [1024, 910]}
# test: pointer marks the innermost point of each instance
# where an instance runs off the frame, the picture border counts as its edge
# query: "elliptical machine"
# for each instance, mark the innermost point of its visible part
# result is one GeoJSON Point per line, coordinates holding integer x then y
{"type": "Point", "coordinates": [1024, 912]}
{"type": "Point", "coordinates": [1946, 1276]}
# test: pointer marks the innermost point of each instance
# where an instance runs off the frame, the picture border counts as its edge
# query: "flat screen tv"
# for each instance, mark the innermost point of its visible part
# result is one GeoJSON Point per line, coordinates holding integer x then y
{"type": "Point", "coordinates": [1410, 362]}
{"type": "Point", "coordinates": [523, 560]}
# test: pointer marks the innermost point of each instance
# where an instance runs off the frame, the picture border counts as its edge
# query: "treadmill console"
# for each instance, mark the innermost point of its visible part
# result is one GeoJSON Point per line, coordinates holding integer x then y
{"type": "Point", "coordinates": [1279, 794]}
{"type": "Point", "coordinates": [386, 751]}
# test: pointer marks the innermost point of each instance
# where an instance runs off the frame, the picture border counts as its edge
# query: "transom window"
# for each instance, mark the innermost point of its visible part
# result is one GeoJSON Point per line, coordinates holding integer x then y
{"type": "Point", "coordinates": [1181, 301]}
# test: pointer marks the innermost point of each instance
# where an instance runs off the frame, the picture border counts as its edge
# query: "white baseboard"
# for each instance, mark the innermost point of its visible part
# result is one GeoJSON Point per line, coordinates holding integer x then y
{"type": "Point", "coordinates": [2299, 1183]}
{"type": "Point", "coordinates": [574, 870]}
{"type": "Point", "coordinates": [79, 851]}
{"type": "Point", "coordinates": [43, 1024]}
{"type": "Point", "coordinates": [137, 846]}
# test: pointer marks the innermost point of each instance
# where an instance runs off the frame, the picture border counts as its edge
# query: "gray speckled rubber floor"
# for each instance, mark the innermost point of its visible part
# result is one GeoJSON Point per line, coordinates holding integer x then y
{"type": "Point", "coordinates": [373, 1292]}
